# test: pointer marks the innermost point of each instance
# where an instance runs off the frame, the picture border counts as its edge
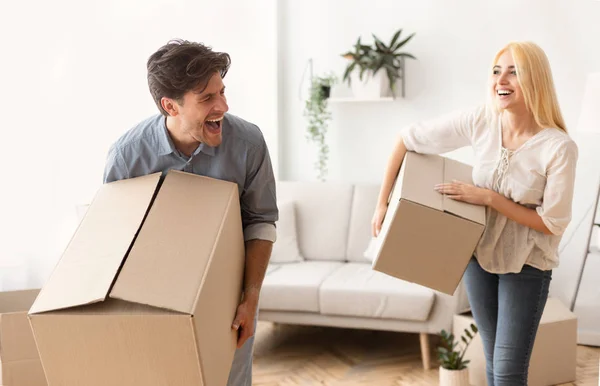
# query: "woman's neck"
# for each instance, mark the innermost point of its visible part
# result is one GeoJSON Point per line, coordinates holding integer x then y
{"type": "Point", "coordinates": [519, 123]}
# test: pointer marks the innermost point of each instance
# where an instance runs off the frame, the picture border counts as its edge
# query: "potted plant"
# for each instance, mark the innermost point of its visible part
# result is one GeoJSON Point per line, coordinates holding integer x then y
{"type": "Point", "coordinates": [453, 366]}
{"type": "Point", "coordinates": [374, 69]}
{"type": "Point", "coordinates": [318, 115]}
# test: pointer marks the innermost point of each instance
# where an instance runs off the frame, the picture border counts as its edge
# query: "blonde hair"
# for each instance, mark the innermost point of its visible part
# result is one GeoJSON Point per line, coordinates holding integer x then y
{"type": "Point", "coordinates": [535, 78]}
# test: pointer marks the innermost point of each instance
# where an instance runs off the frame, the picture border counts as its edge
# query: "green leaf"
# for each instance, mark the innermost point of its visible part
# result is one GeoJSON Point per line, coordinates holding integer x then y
{"type": "Point", "coordinates": [395, 37]}
{"type": "Point", "coordinates": [380, 46]}
{"type": "Point", "coordinates": [361, 73]}
{"type": "Point", "coordinates": [391, 68]}
{"type": "Point", "coordinates": [404, 54]}
{"type": "Point", "coordinates": [378, 41]}
{"type": "Point", "coordinates": [348, 71]}
{"type": "Point", "coordinates": [403, 42]}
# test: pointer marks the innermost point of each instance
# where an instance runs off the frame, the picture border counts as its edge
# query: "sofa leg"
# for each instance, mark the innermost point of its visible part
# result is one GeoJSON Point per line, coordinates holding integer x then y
{"type": "Point", "coordinates": [425, 350]}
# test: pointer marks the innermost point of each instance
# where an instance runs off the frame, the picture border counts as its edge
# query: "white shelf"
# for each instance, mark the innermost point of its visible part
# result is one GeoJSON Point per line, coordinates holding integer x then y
{"type": "Point", "coordinates": [352, 99]}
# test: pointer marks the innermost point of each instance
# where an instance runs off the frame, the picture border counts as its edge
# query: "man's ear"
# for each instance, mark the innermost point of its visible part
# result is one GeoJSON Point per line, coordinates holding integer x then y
{"type": "Point", "coordinates": [170, 106]}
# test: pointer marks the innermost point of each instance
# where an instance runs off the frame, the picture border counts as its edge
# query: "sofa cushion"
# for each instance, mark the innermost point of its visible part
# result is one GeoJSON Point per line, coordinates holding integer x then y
{"type": "Point", "coordinates": [285, 248]}
{"type": "Point", "coordinates": [354, 289]}
{"type": "Point", "coordinates": [323, 216]}
{"type": "Point", "coordinates": [295, 286]}
{"type": "Point", "coordinates": [364, 201]}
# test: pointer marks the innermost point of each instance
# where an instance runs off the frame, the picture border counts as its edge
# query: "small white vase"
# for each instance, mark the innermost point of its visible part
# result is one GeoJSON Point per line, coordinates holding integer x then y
{"type": "Point", "coordinates": [454, 377]}
{"type": "Point", "coordinates": [370, 87]}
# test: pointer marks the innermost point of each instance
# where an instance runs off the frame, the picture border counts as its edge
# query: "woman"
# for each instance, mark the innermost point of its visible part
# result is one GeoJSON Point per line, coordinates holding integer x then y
{"type": "Point", "coordinates": [524, 174]}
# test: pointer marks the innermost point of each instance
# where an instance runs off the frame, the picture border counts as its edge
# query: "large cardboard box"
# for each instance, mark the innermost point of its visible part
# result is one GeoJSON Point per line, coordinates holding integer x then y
{"type": "Point", "coordinates": [19, 360]}
{"type": "Point", "coordinates": [554, 356]}
{"type": "Point", "coordinates": [426, 237]}
{"type": "Point", "coordinates": [147, 289]}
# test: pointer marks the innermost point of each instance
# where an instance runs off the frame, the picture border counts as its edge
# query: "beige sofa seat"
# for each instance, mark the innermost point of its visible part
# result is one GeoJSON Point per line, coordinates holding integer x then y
{"type": "Point", "coordinates": [354, 289]}
{"type": "Point", "coordinates": [295, 286]}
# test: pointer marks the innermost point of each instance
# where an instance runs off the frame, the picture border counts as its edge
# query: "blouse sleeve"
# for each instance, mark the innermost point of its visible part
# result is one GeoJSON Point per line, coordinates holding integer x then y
{"type": "Point", "coordinates": [449, 132]}
{"type": "Point", "coordinates": [555, 209]}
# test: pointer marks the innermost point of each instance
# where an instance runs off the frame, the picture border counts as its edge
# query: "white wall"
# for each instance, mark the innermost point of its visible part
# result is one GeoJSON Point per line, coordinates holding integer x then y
{"type": "Point", "coordinates": [455, 42]}
{"type": "Point", "coordinates": [72, 77]}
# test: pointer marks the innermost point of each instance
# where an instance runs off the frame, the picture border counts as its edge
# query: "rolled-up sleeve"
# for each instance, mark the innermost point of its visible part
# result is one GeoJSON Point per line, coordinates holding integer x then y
{"type": "Point", "coordinates": [258, 200]}
{"type": "Point", "coordinates": [446, 133]}
{"type": "Point", "coordinates": [115, 168]}
{"type": "Point", "coordinates": [556, 206]}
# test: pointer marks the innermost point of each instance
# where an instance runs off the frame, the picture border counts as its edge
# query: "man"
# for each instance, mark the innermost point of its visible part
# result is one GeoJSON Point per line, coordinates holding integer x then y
{"type": "Point", "coordinates": [195, 134]}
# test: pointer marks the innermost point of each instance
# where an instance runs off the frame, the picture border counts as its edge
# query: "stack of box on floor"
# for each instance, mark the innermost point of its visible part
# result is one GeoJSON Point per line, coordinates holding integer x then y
{"type": "Point", "coordinates": [554, 356]}
{"type": "Point", "coordinates": [147, 289]}
{"type": "Point", "coordinates": [426, 237]}
{"type": "Point", "coordinates": [19, 360]}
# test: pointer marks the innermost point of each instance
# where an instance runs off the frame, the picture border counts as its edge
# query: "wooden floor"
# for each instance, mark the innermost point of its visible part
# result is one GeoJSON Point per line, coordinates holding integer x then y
{"type": "Point", "coordinates": [302, 355]}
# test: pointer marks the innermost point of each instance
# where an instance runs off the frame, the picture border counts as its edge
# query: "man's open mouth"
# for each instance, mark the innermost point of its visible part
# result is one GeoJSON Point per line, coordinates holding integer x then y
{"type": "Point", "coordinates": [214, 125]}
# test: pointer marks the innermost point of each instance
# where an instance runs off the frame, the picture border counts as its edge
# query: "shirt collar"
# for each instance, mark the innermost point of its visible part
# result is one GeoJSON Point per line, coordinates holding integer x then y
{"type": "Point", "coordinates": [204, 148]}
{"type": "Point", "coordinates": [166, 146]}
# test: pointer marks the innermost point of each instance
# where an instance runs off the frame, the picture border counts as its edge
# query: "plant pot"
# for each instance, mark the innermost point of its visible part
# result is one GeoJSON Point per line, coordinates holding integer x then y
{"type": "Point", "coordinates": [454, 377]}
{"type": "Point", "coordinates": [371, 87]}
{"type": "Point", "coordinates": [326, 90]}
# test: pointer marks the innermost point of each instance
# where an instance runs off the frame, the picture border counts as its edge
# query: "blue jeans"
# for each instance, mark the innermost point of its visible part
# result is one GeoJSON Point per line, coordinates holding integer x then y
{"type": "Point", "coordinates": [507, 309]}
{"type": "Point", "coordinates": [241, 368]}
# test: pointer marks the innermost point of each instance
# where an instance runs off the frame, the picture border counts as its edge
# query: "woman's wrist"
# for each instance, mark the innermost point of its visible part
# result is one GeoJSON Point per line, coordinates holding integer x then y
{"type": "Point", "coordinates": [491, 198]}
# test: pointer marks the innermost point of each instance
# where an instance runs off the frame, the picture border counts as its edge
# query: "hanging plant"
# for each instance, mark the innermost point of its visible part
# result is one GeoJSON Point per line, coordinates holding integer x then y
{"type": "Point", "coordinates": [318, 115]}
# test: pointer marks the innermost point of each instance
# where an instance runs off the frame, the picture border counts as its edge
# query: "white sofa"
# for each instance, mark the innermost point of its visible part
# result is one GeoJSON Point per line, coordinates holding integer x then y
{"type": "Point", "coordinates": [318, 274]}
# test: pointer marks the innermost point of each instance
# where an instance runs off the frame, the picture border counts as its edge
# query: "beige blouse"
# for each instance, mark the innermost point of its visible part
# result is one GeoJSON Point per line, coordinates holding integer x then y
{"type": "Point", "coordinates": [540, 174]}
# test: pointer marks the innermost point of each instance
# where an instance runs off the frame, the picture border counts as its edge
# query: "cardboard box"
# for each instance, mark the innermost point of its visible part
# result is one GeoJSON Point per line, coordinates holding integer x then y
{"type": "Point", "coordinates": [554, 356]}
{"type": "Point", "coordinates": [426, 237]}
{"type": "Point", "coordinates": [147, 289]}
{"type": "Point", "coordinates": [19, 359]}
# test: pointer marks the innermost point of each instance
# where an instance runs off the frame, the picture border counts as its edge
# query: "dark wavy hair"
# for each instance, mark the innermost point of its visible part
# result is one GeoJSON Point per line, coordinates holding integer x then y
{"type": "Point", "coordinates": [181, 66]}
